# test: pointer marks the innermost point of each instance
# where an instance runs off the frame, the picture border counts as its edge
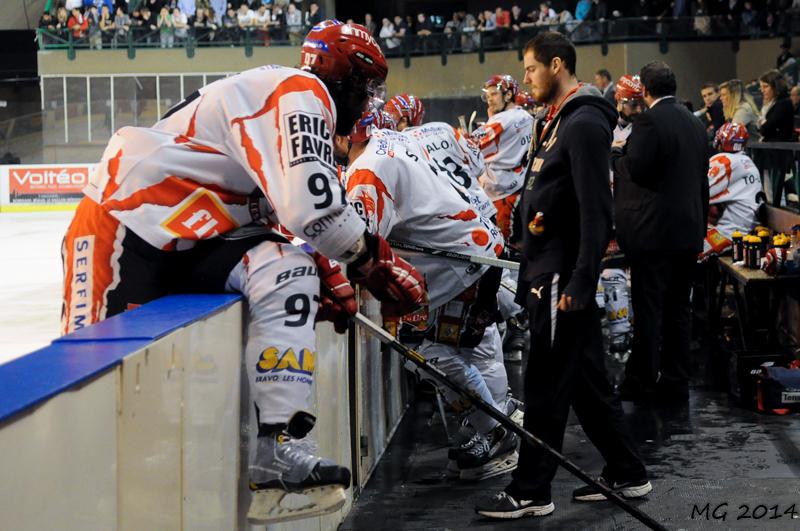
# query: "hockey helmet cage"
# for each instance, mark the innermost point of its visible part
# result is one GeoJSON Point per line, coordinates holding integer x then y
{"type": "Point", "coordinates": [502, 82]}
{"type": "Point", "coordinates": [406, 106]}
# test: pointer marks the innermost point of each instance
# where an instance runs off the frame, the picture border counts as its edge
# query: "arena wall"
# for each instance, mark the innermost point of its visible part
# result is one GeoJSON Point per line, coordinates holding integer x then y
{"type": "Point", "coordinates": [143, 421]}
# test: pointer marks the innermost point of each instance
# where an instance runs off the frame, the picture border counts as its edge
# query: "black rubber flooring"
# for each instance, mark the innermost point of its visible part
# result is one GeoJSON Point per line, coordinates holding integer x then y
{"type": "Point", "coordinates": [713, 465]}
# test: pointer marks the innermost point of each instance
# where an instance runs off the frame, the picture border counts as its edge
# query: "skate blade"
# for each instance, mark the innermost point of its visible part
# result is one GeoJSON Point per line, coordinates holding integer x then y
{"type": "Point", "coordinates": [496, 467]}
{"type": "Point", "coordinates": [275, 505]}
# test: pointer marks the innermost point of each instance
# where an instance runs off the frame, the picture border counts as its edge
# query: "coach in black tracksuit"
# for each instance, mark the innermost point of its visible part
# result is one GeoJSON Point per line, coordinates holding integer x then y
{"type": "Point", "coordinates": [565, 215]}
{"type": "Point", "coordinates": [661, 203]}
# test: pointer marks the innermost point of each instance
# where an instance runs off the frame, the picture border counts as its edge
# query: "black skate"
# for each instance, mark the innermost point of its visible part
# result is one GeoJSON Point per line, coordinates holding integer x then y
{"type": "Point", "coordinates": [515, 343]}
{"type": "Point", "coordinates": [492, 455]}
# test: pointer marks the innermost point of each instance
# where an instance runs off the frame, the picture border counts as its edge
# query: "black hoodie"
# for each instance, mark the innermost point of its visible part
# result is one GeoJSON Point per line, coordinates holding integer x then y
{"type": "Point", "coordinates": [565, 210]}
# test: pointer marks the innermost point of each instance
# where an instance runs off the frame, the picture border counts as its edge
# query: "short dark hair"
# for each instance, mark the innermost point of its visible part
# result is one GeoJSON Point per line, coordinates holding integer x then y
{"type": "Point", "coordinates": [659, 79]}
{"type": "Point", "coordinates": [711, 85]}
{"type": "Point", "coordinates": [604, 73]}
{"type": "Point", "coordinates": [550, 44]}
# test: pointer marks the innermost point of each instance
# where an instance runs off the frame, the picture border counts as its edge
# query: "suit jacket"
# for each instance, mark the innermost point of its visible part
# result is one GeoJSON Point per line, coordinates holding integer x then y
{"type": "Point", "coordinates": [779, 124]}
{"type": "Point", "coordinates": [661, 183]}
{"type": "Point", "coordinates": [610, 94]}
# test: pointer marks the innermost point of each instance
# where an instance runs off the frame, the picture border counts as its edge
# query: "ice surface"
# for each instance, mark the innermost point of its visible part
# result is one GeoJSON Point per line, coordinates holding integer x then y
{"type": "Point", "coordinates": [30, 280]}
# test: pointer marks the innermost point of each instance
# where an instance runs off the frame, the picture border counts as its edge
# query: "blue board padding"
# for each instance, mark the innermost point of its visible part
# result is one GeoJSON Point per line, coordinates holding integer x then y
{"type": "Point", "coordinates": [154, 319]}
{"type": "Point", "coordinates": [78, 357]}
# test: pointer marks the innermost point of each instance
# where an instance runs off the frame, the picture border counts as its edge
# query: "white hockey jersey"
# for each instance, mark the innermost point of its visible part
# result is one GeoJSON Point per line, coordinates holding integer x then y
{"type": "Point", "coordinates": [622, 132]}
{"type": "Point", "coordinates": [456, 158]}
{"type": "Point", "coordinates": [733, 180]}
{"type": "Point", "coordinates": [504, 141]}
{"type": "Point", "coordinates": [393, 187]}
{"type": "Point", "coordinates": [252, 146]}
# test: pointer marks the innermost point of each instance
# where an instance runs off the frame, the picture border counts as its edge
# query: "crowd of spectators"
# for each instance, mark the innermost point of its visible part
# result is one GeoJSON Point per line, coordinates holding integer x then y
{"type": "Point", "coordinates": [167, 22]}
{"type": "Point", "coordinates": [111, 23]}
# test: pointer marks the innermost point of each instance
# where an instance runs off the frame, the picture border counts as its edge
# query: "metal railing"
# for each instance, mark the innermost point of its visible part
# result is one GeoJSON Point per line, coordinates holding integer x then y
{"type": "Point", "coordinates": [779, 164]}
{"type": "Point", "coordinates": [443, 42]}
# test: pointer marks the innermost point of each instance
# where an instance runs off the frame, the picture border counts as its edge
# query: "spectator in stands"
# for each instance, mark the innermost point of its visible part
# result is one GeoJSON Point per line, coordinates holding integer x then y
{"type": "Point", "coordinates": [516, 18]}
{"type": "Point", "coordinates": [72, 4]}
{"type": "Point", "coordinates": [386, 35]}
{"type": "Point", "coordinates": [47, 23]}
{"type": "Point", "coordinates": [262, 20]}
{"type": "Point", "coordinates": [107, 26]}
{"type": "Point", "coordinates": [203, 26]}
{"type": "Point", "coordinates": [245, 18]}
{"type": "Point", "coordinates": [776, 121]}
{"type": "Point", "coordinates": [313, 15]}
{"type": "Point", "coordinates": [711, 114]}
{"type": "Point", "coordinates": [424, 27]}
{"type": "Point", "coordinates": [400, 27]}
{"type": "Point", "coordinates": [62, 18]}
{"type": "Point", "coordinates": [602, 80]}
{"type": "Point", "coordinates": [794, 95]}
{"type": "Point", "coordinates": [785, 55]}
{"type": "Point", "coordinates": [750, 20]}
{"type": "Point", "coordinates": [502, 18]}
{"type": "Point", "coordinates": [369, 23]}
{"type": "Point", "coordinates": [486, 21]}
{"type": "Point", "coordinates": [94, 32]}
{"type": "Point", "coordinates": [230, 25]}
{"type": "Point", "coordinates": [739, 106]}
{"type": "Point", "coordinates": [123, 23]}
{"type": "Point", "coordinates": [181, 24]}
{"type": "Point", "coordinates": [77, 24]}
{"type": "Point", "coordinates": [547, 15]}
{"type": "Point", "coordinates": [294, 24]}
{"type": "Point", "coordinates": [166, 29]}
{"type": "Point", "coordinates": [582, 9]}
{"type": "Point", "coordinates": [188, 8]}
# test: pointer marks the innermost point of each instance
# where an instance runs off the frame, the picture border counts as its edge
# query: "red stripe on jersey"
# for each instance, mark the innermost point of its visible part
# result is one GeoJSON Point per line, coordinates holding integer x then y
{"type": "Point", "coordinates": [488, 139]}
{"type": "Point", "coordinates": [291, 84]}
{"type": "Point", "coordinates": [464, 215]}
{"type": "Point", "coordinates": [170, 192]}
{"type": "Point", "coordinates": [113, 170]}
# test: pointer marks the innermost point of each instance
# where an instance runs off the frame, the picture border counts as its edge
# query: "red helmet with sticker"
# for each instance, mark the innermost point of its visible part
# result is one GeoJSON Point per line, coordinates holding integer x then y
{"type": "Point", "coordinates": [629, 88]}
{"type": "Point", "coordinates": [525, 100]}
{"type": "Point", "coordinates": [370, 121]}
{"type": "Point", "coordinates": [504, 83]}
{"type": "Point", "coordinates": [731, 137]}
{"type": "Point", "coordinates": [334, 51]}
{"type": "Point", "coordinates": [406, 106]}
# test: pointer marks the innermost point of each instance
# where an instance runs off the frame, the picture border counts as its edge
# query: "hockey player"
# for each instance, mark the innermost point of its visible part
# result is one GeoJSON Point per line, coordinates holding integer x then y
{"type": "Point", "coordinates": [504, 141]}
{"type": "Point", "coordinates": [170, 209]}
{"type": "Point", "coordinates": [613, 289]}
{"type": "Point", "coordinates": [392, 184]}
{"type": "Point", "coordinates": [406, 110]}
{"type": "Point", "coordinates": [734, 184]}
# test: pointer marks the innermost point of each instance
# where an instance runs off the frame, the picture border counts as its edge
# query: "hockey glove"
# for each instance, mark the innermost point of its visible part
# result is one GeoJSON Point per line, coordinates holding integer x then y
{"type": "Point", "coordinates": [337, 299]}
{"type": "Point", "coordinates": [772, 262]}
{"type": "Point", "coordinates": [392, 280]}
{"type": "Point", "coordinates": [715, 244]}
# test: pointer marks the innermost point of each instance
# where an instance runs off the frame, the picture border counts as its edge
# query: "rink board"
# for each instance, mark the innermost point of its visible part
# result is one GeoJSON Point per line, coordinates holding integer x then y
{"type": "Point", "coordinates": [143, 420]}
{"type": "Point", "coordinates": [42, 187]}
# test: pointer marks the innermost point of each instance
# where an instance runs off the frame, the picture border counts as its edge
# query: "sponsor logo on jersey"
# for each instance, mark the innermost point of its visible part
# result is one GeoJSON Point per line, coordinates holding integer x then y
{"type": "Point", "coordinates": [309, 139]}
{"type": "Point", "coordinates": [82, 283]}
{"type": "Point", "coordinates": [200, 216]}
{"type": "Point", "coordinates": [274, 365]}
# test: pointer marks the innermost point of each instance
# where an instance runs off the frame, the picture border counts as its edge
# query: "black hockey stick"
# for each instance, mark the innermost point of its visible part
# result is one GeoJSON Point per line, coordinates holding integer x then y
{"type": "Point", "coordinates": [503, 419]}
{"type": "Point", "coordinates": [483, 260]}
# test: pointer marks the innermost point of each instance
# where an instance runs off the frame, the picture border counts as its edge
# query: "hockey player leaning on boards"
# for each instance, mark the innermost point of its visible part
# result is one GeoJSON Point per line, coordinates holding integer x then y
{"type": "Point", "coordinates": [171, 209]}
{"type": "Point", "coordinates": [391, 181]}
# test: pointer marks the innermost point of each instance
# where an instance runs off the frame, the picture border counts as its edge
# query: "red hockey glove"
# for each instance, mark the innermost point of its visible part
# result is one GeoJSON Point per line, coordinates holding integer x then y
{"type": "Point", "coordinates": [392, 280]}
{"type": "Point", "coordinates": [337, 299]}
{"type": "Point", "coordinates": [715, 244]}
{"type": "Point", "coordinates": [772, 262]}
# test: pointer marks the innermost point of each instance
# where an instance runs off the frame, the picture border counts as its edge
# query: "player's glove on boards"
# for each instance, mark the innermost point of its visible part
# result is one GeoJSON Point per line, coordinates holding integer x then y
{"type": "Point", "coordinates": [337, 299]}
{"type": "Point", "coordinates": [392, 280]}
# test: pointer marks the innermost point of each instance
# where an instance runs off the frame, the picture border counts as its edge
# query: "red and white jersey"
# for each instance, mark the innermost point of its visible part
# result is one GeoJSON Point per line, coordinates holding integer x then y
{"type": "Point", "coordinates": [457, 158]}
{"type": "Point", "coordinates": [399, 196]}
{"type": "Point", "coordinates": [733, 180]}
{"type": "Point", "coordinates": [253, 146]}
{"type": "Point", "coordinates": [504, 141]}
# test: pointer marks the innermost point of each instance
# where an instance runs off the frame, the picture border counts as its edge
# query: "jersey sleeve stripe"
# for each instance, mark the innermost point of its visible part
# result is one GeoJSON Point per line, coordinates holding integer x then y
{"type": "Point", "coordinates": [170, 192]}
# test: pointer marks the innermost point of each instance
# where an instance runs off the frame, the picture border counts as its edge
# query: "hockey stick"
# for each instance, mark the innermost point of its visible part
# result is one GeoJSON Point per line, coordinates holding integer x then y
{"type": "Point", "coordinates": [483, 260]}
{"type": "Point", "coordinates": [416, 358]}
{"type": "Point", "coordinates": [471, 121]}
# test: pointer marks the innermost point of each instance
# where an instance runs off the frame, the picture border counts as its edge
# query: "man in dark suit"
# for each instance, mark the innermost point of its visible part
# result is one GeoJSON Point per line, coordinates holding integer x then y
{"type": "Point", "coordinates": [604, 83]}
{"type": "Point", "coordinates": [661, 203]}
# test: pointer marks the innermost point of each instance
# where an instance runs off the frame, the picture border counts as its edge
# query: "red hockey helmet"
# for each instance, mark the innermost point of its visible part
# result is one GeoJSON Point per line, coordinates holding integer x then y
{"type": "Point", "coordinates": [525, 100]}
{"type": "Point", "coordinates": [731, 137]}
{"type": "Point", "coordinates": [406, 106]}
{"type": "Point", "coordinates": [335, 51]}
{"type": "Point", "coordinates": [502, 82]}
{"type": "Point", "coordinates": [370, 121]}
{"type": "Point", "coordinates": [629, 88]}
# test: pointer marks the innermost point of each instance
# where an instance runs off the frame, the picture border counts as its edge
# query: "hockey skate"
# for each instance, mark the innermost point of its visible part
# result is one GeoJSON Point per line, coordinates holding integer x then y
{"type": "Point", "coordinates": [514, 338]}
{"type": "Point", "coordinates": [288, 482]}
{"type": "Point", "coordinates": [491, 455]}
{"type": "Point", "coordinates": [514, 410]}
